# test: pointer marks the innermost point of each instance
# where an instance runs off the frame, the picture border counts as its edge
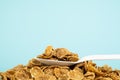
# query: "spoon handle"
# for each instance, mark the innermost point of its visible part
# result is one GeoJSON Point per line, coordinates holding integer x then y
{"type": "Point", "coordinates": [101, 57]}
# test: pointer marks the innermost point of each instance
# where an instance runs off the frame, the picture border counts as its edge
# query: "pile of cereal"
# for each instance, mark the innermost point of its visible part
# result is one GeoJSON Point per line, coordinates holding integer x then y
{"type": "Point", "coordinates": [61, 54]}
{"type": "Point", "coordinates": [35, 70]}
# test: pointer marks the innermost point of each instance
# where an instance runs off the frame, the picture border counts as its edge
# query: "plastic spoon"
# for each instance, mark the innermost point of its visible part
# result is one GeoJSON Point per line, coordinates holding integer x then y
{"type": "Point", "coordinates": [86, 58]}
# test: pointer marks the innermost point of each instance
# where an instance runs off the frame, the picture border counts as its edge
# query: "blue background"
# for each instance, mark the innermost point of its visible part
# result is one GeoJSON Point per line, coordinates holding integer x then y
{"type": "Point", "coordinates": [83, 26]}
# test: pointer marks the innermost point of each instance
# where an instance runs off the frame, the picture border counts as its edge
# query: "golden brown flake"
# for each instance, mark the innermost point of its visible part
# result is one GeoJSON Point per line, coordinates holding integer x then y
{"type": "Point", "coordinates": [33, 62]}
{"type": "Point", "coordinates": [89, 76]}
{"type": "Point", "coordinates": [36, 72]}
{"type": "Point", "coordinates": [75, 75]}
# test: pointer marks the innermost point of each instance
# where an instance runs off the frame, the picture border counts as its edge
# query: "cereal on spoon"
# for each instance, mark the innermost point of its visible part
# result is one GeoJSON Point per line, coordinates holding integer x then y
{"type": "Point", "coordinates": [61, 54]}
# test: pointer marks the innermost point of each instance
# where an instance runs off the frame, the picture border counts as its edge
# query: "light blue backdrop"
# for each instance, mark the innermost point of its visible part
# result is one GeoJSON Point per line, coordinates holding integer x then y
{"type": "Point", "coordinates": [83, 26]}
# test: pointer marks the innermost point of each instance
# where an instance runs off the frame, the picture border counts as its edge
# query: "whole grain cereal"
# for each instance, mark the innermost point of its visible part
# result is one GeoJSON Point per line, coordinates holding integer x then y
{"type": "Point", "coordinates": [35, 70]}
{"type": "Point", "coordinates": [61, 54]}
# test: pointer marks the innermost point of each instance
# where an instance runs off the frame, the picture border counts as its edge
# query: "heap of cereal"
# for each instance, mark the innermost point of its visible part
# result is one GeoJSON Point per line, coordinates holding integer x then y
{"type": "Point", "coordinates": [35, 70]}
{"type": "Point", "coordinates": [61, 54]}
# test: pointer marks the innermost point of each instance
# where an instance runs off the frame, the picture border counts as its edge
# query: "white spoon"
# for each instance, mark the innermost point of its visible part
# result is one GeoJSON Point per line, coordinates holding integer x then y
{"type": "Point", "coordinates": [86, 58]}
